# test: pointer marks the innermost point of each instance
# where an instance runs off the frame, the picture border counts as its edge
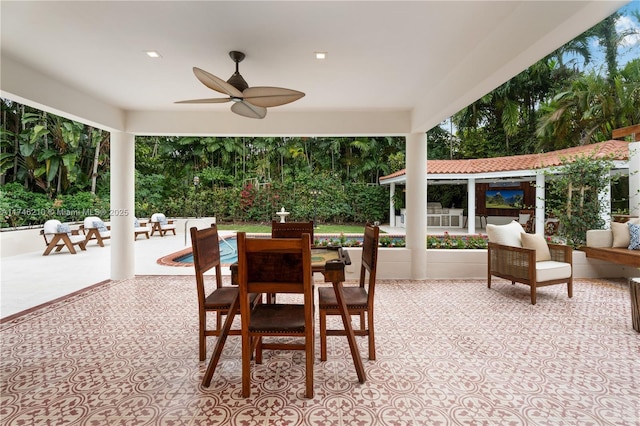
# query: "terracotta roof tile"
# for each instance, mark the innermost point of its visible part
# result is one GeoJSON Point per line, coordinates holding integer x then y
{"type": "Point", "coordinates": [619, 150]}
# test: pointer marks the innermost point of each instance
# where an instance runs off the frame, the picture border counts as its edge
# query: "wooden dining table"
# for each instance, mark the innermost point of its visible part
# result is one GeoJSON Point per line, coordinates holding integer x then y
{"type": "Point", "coordinates": [331, 263]}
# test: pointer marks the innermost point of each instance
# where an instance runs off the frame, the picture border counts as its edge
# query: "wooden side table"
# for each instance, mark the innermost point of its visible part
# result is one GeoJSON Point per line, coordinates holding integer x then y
{"type": "Point", "coordinates": [634, 289]}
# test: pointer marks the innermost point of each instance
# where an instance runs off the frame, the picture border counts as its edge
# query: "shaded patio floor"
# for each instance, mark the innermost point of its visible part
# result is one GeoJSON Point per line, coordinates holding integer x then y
{"type": "Point", "coordinates": [449, 352]}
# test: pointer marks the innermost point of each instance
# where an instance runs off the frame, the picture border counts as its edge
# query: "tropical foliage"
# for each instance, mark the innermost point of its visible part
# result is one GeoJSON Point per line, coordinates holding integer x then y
{"type": "Point", "coordinates": [574, 195]}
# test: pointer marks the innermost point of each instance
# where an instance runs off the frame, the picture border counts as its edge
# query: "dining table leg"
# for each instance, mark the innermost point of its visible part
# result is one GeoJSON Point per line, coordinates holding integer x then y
{"type": "Point", "coordinates": [222, 338]}
{"type": "Point", "coordinates": [346, 320]}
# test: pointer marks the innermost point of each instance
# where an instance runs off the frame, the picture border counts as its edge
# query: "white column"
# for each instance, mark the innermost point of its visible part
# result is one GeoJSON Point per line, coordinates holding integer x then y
{"type": "Point", "coordinates": [605, 201]}
{"type": "Point", "coordinates": [392, 206]}
{"type": "Point", "coordinates": [540, 203]}
{"type": "Point", "coordinates": [416, 195]}
{"type": "Point", "coordinates": [471, 206]}
{"type": "Point", "coordinates": [122, 205]}
{"type": "Point", "coordinates": [634, 178]}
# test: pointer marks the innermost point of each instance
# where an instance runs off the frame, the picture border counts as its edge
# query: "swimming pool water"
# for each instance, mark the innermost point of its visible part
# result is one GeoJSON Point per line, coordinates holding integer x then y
{"type": "Point", "coordinates": [228, 252]}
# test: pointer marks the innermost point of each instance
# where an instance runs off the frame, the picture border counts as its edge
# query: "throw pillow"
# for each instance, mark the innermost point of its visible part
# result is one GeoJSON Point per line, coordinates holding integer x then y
{"type": "Point", "coordinates": [634, 239]}
{"type": "Point", "coordinates": [136, 224]}
{"type": "Point", "coordinates": [537, 243]}
{"type": "Point", "coordinates": [98, 224]}
{"type": "Point", "coordinates": [63, 228]}
{"type": "Point", "coordinates": [620, 233]}
{"type": "Point", "coordinates": [508, 235]}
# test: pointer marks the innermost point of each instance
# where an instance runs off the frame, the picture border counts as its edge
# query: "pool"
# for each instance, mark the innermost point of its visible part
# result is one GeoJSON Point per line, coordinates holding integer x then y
{"type": "Point", "coordinates": [228, 253]}
{"type": "Point", "coordinates": [229, 250]}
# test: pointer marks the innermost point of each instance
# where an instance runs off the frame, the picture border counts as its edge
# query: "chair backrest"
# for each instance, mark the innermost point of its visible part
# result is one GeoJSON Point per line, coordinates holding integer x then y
{"type": "Point", "coordinates": [51, 226]}
{"type": "Point", "coordinates": [158, 217]}
{"type": "Point", "coordinates": [370, 257]}
{"type": "Point", "coordinates": [89, 221]}
{"type": "Point", "coordinates": [206, 255]}
{"type": "Point", "coordinates": [291, 229]}
{"type": "Point", "coordinates": [275, 265]}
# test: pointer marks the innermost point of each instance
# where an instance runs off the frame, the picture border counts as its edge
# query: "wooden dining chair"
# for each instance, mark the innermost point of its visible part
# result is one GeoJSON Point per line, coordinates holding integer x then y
{"type": "Point", "coordinates": [289, 230]}
{"type": "Point", "coordinates": [359, 299]}
{"type": "Point", "coordinates": [206, 255]}
{"type": "Point", "coordinates": [271, 265]}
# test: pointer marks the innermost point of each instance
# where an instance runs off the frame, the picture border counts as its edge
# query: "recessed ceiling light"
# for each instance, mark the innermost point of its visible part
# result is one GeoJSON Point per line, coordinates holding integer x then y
{"type": "Point", "coordinates": [321, 55]}
{"type": "Point", "coordinates": [153, 54]}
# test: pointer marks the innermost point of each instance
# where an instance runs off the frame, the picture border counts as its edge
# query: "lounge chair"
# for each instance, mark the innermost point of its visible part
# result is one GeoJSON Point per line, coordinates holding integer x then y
{"type": "Point", "coordinates": [58, 235]}
{"type": "Point", "coordinates": [516, 256]}
{"type": "Point", "coordinates": [160, 223]}
{"type": "Point", "coordinates": [95, 229]}
{"type": "Point", "coordinates": [140, 228]}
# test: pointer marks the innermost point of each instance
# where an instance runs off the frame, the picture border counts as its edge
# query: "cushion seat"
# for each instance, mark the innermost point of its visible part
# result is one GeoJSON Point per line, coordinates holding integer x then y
{"type": "Point", "coordinates": [549, 270]}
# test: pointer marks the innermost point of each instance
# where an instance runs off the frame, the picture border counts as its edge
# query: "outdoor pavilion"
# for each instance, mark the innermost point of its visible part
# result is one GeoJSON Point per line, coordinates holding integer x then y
{"type": "Point", "coordinates": [533, 168]}
{"type": "Point", "coordinates": [392, 68]}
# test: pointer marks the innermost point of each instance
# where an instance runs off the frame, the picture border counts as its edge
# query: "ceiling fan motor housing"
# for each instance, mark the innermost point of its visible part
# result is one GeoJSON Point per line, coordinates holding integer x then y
{"type": "Point", "coordinates": [236, 80]}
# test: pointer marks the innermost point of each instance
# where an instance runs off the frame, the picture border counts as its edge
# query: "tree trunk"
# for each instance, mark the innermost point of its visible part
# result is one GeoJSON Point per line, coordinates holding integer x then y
{"type": "Point", "coordinates": [96, 159]}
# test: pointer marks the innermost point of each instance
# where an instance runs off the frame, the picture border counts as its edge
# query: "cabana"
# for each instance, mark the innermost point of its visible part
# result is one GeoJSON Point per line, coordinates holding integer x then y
{"type": "Point", "coordinates": [526, 173]}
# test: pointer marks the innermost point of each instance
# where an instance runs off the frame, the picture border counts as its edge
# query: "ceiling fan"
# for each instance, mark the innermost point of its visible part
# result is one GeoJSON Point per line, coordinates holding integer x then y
{"type": "Point", "coordinates": [247, 101]}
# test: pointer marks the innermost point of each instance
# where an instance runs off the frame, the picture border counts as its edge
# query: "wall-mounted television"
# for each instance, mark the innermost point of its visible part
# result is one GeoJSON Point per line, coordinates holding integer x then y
{"type": "Point", "coordinates": [504, 198]}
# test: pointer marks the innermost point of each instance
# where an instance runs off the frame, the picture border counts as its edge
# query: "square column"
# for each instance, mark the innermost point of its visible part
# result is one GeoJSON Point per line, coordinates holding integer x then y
{"type": "Point", "coordinates": [122, 205]}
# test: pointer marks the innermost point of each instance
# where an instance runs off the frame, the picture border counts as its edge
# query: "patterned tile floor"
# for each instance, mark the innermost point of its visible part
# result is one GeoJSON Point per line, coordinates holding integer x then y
{"type": "Point", "coordinates": [449, 353]}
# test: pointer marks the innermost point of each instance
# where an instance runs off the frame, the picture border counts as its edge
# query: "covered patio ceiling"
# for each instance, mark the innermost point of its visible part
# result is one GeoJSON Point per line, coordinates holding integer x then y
{"type": "Point", "coordinates": [392, 67]}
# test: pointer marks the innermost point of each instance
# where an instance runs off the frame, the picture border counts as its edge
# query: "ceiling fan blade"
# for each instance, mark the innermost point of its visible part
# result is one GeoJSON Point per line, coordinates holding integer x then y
{"type": "Point", "coordinates": [265, 96]}
{"type": "Point", "coordinates": [216, 83]}
{"type": "Point", "coordinates": [248, 110]}
{"type": "Point", "coordinates": [204, 101]}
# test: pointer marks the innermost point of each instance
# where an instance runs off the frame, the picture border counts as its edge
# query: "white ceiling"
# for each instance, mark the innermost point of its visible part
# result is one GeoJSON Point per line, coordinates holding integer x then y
{"type": "Point", "coordinates": [392, 67]}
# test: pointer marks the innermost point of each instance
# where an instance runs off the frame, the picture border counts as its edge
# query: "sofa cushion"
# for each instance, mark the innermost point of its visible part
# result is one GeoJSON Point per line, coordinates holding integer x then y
{"type": "Point", "coordinates": [537, 243]}
{"type": "Point", "coordinates": [599, 238]}
{"type": "Point", "coordinates": [552, 270]}
{"type": "Point", "coordinates": [508, 235]}
{"type": "Point", "coordinates": [620, 233]}
{"type": "Point", "coordinates": [634, 236]}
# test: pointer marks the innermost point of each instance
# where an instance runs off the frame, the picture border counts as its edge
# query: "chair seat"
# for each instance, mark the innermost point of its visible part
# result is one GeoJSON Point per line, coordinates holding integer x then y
{"type": "Point", "coordinates": [277, 318]}
{"type": "Point", "coordinates": [167, 226]}
{"type": "Point", "coordinates": [355, 297]}
{"type": "Point", "coordinates": [221, 298]}
{"type": "Point", "coordinates": [549, 270]}
{"type": "Point", "coordinates": [75, 239]}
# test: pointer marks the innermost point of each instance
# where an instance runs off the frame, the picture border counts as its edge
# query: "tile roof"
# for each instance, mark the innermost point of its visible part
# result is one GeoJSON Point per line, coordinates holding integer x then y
{"type": "Point", "coordinates": [618, 149]}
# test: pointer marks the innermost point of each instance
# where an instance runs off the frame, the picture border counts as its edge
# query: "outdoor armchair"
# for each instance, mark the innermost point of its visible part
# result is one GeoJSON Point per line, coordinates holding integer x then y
{"type": "Point", "coordinates": [525, 258]}
{"type": "Point", "coordinates": [58, 235]}
{"type": "Point", "coordinates": [95, 229]}
{"type": "Point", "coordinates": [161, 224]}
{"type": "Point", "coordinates": [140, 228]}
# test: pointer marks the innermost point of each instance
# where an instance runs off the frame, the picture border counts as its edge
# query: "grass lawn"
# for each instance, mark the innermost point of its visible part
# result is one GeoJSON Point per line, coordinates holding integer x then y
{"type": "Point", "coordinates": [321, 229]}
